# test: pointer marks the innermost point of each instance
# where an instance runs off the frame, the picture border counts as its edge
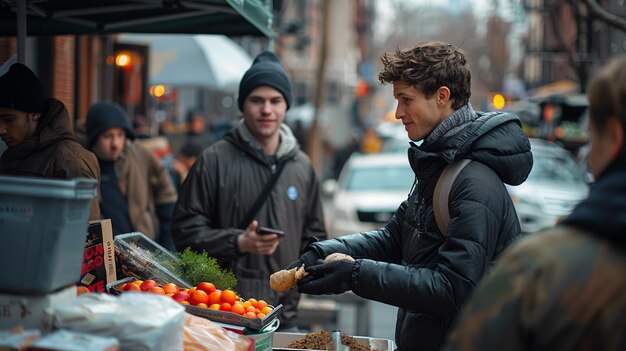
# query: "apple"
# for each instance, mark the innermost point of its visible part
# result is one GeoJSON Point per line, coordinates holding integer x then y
{"type": "Point", "coordinates": [180, 296]}
{"type": "Point", "coordinates": [206, 287]}
{"type": "Point", "coordinates": [148, 284]}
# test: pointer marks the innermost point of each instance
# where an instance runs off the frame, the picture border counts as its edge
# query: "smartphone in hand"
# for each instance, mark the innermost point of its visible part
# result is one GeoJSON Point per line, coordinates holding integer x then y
{"type": "Point", "coordinates": [266, 230]}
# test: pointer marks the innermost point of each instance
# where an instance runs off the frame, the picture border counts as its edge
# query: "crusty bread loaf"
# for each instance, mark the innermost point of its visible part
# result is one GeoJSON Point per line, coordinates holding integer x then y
{"type": "Point", "coordinates": [288, 278]}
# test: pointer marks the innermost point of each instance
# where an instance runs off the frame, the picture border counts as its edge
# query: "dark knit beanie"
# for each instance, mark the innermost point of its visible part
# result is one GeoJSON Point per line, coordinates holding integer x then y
{"type": "Point", "coordinates": [105, 115]}
{"type": "Point", "coordinates": [265, 70]}
{"type": "Point", "coordinates": [20, 89]}
{"type": "Point", "coordinates": [192, 148]}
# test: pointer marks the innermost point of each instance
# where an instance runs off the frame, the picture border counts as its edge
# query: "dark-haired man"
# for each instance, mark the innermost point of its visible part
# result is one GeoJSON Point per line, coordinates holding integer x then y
{"type": "Point", "coordinates": [38, 133]}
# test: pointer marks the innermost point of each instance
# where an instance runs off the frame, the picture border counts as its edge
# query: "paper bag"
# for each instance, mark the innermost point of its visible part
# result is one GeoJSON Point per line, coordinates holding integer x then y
{"type": "Point", "coordinates": [98, 267]}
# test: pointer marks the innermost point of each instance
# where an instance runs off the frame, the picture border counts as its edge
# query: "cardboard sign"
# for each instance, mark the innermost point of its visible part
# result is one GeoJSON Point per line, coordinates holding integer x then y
{"type": "Point", "coordinates": [98, 267]}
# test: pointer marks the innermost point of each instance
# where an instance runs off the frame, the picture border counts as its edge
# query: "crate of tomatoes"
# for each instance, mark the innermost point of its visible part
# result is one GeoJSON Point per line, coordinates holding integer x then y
{"type": "Point", "coordinates": [205, 300]}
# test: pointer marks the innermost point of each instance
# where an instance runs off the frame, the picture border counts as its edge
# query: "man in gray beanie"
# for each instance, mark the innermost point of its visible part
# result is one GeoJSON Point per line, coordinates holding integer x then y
{"type": "Point", "coordinates": [38, 133]}
{"type": "Point", "coordinates": [137, 193]}
{"type": "Point", "coordinates": [256, 176]}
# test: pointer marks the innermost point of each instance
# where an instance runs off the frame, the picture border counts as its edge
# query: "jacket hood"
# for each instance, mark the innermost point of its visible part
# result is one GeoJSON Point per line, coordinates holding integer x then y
{"type": "Point", "coordinates": [241, 137]}
{"type": "Point", "coordinates": [55, 124]}
{"type": "Point", "coordinates": [494, 139]}
{"type": "Point", "coordinates": [603, 213]}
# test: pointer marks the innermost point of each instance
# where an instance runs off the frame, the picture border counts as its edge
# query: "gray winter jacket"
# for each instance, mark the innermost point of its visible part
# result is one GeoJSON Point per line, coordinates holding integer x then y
{"type": "Point", "coordinates": [219, 191]}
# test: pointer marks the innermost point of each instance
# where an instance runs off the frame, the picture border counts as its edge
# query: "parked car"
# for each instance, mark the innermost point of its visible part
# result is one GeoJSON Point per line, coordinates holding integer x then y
{"type": "Point", "coordinates": [367, 193]}
{"type": "Point", "coordinates": [554, 186]}
{"type": "Point", "coordinates": [397, 145]}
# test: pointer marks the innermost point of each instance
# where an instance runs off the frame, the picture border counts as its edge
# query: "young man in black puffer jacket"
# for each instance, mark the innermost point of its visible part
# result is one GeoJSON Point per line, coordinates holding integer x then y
{"type": "Point", "coordinates": [409, 263]}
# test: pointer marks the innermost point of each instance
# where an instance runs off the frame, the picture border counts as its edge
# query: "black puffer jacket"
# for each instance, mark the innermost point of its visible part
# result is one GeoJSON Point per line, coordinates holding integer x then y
{"type": "Point", "coordinates": [409, 264]}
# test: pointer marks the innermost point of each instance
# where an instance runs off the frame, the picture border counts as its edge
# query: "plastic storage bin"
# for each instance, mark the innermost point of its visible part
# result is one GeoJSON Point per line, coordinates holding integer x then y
{"type": "Point", "coordinates": [138, 256]}
{"type": "Point", "coordinates": [42, 232]}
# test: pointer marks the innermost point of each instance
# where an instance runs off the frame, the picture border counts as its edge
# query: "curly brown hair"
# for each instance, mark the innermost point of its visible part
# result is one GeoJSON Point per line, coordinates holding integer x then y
{"type": "Point", "coordinates": [428, 67]}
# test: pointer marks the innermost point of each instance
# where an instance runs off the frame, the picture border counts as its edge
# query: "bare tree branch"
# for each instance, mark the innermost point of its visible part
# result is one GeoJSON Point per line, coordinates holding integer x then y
{"type": "Point", "coordinates": [605, 16]}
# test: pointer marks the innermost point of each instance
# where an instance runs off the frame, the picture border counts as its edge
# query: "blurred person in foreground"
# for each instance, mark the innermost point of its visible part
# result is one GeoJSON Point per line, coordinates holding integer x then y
{"type": "Point", "coordinates": [136, 191]}
{"type": "Point", "coordinates": [38, 133]}
{"type": "Point", "coordinates": [409, 263]}
{"type": "Point", "coordinates": [564, 288]}
{"type": "Point", "coordinates": [216, 200]}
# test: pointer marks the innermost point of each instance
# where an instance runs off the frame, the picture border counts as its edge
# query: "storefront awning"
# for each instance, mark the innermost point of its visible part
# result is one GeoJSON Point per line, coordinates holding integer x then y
{"type": "Point", "coordinates": [58, 17]}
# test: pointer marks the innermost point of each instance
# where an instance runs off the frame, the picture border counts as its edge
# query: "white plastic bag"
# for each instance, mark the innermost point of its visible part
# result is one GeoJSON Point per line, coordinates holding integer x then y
{"type": "Point", "coordinates": [140, 321]}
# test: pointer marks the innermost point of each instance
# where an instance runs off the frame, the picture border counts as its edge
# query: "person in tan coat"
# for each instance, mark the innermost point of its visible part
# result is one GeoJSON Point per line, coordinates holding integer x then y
{"type": "Point", "coordinates": [38, 133]}
{"type": "Point", "coordinates": [137, 193]}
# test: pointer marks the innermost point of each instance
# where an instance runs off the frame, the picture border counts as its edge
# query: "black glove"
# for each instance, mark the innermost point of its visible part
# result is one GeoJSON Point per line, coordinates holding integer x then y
{"type": "Point", "coordinates": [308, 259]}
{"type": "Point", "coordinates": [328, 278]}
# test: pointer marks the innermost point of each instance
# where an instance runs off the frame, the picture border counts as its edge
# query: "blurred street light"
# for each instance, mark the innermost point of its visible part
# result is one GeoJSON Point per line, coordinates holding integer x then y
{"type": "Point", "coordinates": [498, 101]}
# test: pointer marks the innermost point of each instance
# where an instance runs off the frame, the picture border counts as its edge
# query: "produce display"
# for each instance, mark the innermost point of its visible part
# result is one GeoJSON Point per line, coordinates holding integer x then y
{"type": "Point", "coordinates": [204, 295]}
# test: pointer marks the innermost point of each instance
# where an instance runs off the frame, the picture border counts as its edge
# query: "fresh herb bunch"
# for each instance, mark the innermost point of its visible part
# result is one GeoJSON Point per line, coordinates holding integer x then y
{"type": "Point", "coordinates": [196, 268]}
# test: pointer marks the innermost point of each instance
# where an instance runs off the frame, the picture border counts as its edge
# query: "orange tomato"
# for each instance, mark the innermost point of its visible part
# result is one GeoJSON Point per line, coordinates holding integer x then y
{"type": "Point", "coordinates": [250, 315]}
{"type": "Point", "coordinates": [266, 310]}
{"type": "Point", "coordinates": [156, 290]}
{"type": "Point", "coordinates": [184, 303]}
{"type": "Point", "coordinates": [215, 297]}
{"type": "Point", "coordinates": [260, 315]}
{"type": "Point", "coordinates": [261, 304]}
{"type": "Point", "coordinates": [206, 287]}
{"type": "Point", "coordinates": [170, 288]}
{"type": "Point", "coordinates": [251, 309]}
{"type": "Point", "coordinates": [199, 296]}
{"type": "Point", "coordinates": [229, 296]}
{"type": "Point", "coordinates": [253, 302]}
{"type": "Point", "coordinates": [238, 308]}
{"type": "Point", "coordinates": [132, 287]}
{"type": "Point", "coordinates": [203, 305]}
{"type": "Point", "coordinates": [215, 306]}
{"type": "Point", "coordinates": [225, 306]}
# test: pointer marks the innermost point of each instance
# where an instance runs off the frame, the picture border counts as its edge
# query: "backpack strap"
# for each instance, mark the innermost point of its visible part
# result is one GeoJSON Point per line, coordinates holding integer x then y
{"type": "Point", "coordinates": [254, 210]}
{"type": "Point", "coordinates": [442, 193]}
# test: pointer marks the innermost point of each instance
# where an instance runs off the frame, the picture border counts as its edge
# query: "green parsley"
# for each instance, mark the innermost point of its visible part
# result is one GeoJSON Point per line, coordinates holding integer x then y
{"type": "Point", "coordinates": [196, 268]}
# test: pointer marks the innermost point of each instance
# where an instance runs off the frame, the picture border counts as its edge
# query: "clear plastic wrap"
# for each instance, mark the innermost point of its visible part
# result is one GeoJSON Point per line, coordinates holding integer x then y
{"type": "Point", "coordinates": [203, 335]}
{"type": "Point", "coordinates": [139, 321]}
{"type": "Point", "coordinates": [138, 256]}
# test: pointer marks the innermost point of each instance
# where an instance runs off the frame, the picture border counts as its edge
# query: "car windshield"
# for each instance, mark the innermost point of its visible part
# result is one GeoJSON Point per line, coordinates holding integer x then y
{"type": "Point", "coordinates": [380, 178]}
{"type": "Point", "coordinates": [556, 167]}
